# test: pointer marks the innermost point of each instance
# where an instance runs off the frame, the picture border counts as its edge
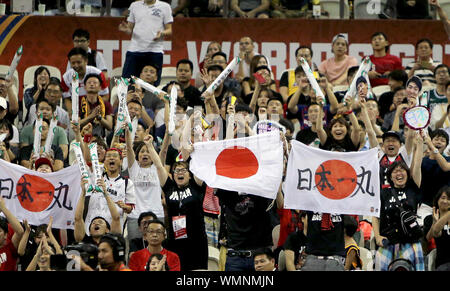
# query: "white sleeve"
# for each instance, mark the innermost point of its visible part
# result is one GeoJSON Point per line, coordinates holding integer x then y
{"type": "Point", "coordinates": [100, 62]}
{"type": "Point", "coordinates": [130, 197]}
{"type": "Point", "coordinates": [131, 16]}
{"type": "Point", "coordinates": [168, 18]}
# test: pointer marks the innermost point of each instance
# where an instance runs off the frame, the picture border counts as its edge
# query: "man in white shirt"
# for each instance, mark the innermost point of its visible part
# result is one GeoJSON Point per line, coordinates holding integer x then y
{"type": "Point", "coordinates": [81, 38]}
{"type": "Point", "coordinates": [78, 59]}
{"type": "Point", "coordinates": [148, 23]}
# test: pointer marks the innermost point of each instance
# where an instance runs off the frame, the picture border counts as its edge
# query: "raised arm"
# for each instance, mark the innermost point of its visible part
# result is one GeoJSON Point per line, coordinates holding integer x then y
{"type": "Point", "coordinates": [162, 173]}
{"type": "Point", "coordinates": [369, 129]}
{"type": "Point", "coordinates": [14, 222]}
{"type": "Point", "coordinates": [79, 227]}
{"type": "Point", "coordinates": [416, 166]}
{"type": "Point", "coordinates": [115, 216]}
{"type": "Point", "coordinates": [321, 133]}
{"type": "Point", "coordinates": [129, 144]}
{"type": "Point", "coordinates": [255, 95]}
{"type": "Point", "coordinates": [442, 162]}
{"type": "Point", "coordinates": [21, 249]}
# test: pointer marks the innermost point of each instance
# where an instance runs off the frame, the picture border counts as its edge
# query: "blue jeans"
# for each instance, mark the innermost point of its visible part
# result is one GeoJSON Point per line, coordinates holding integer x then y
{"type": "Point", "coordinates": [136, 61]}
{"type": "Point", "coordinates": [237, 263]}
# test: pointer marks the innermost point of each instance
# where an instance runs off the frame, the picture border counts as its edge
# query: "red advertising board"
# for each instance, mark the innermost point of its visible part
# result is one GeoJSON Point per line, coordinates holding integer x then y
{"type": "Point", "coordinates": [46, 40]}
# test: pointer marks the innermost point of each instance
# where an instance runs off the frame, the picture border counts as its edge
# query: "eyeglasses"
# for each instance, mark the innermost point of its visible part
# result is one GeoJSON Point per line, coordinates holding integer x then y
{"type": "Point", "coordinates": [80, 40]}
{"type": "Point", "coordinates": [158, 231]}
{"type": "Point", "coordinates": [49, 91]}
{"type": "Point", "coordinates": [180, 171]}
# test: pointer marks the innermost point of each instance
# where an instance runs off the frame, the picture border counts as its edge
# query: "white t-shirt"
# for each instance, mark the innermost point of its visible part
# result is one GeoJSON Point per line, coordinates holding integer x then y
{"type": "Point", "coordinates": [147, 189]}
{"type": "Point", "coordinates": [148, 21]}
{"type": "Point", "coordinates": [66, 83]}
{"type": "Point", "coordinates": [117, 192]}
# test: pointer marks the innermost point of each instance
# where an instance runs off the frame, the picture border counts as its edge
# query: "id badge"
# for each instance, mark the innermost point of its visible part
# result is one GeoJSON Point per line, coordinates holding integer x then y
{"type": "Point", "coordinates": [179, 226]}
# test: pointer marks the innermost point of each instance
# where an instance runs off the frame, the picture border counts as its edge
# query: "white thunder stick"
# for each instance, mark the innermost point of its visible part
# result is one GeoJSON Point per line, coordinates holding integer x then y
{"type": "Point", "coordinates": [363, 69]}
{"type": "Point", "coordinates": [51, 133]}
{"type": "Point", "coordinates": [172, 109]}
{"type": "Point", "coordinates": [149, 87]}
{"type": "Point", "coordinates": [14, 63]}
{"type": "Point", "coordinates": [134, 125]}
{"type": "Point", "coordinates": [95, 165]}
{"type": "Point", "coordinates": [75, 97]}
{"type": "Point", "coordinates": [81, 163]}
{"type": "Point", "coordinates": [312, 80]}
{"type": "Point", "coordinates": [2, 137]}
{"type": "Point", "coordinates": [122, 114]}
{"type": "Point", "coordinates": [37, 136]}
{"type": "Point", "coordinates": [223, 75]}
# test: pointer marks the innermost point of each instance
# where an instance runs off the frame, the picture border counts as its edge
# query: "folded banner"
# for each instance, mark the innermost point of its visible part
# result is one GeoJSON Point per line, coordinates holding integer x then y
{"type": "Point", "coordinates": [37, 196]}
{"type": "Point", "coordinates": [332, 182]}
{"type": "Point", "coordinates": [253, 165]}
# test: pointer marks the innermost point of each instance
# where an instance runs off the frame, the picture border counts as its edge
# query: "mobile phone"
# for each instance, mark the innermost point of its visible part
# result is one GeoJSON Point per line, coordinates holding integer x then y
{"type": "Point", "coordinates": [232, 100]}
{"type": "Point", "coordinates": [259, 78]}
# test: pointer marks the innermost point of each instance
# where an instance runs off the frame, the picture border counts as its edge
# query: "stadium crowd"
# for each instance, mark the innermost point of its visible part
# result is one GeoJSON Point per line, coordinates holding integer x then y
{"type": "Point", "coordinates": [161, 217]}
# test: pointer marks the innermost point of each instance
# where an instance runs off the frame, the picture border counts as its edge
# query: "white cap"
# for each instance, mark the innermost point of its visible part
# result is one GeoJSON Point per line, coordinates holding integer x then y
{"type": "Point", "coordinates": [3, 103]}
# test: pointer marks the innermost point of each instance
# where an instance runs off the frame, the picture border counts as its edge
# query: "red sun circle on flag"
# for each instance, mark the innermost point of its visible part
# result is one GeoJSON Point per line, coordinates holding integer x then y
{"type": "Point", "coordinates": [236, 163]}
{"type": "Point", "coordinates": [335, 179]}
{"type": "Point", "coordinates": [34, 193]}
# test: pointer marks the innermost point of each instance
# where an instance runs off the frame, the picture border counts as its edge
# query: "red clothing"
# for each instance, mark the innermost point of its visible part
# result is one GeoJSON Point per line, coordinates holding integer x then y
{"type": "Point", "coordinates": [289, 222]}
{"type": "Point", "coordinates": [388, 63]}
{"type": "Point", "coordinates": [139, 259]}
{"type": "Point", "coordinates": [8, 257]}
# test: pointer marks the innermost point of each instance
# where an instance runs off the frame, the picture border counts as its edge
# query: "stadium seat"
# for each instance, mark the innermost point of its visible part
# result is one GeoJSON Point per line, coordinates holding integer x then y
{"type": "Point", "coordinates": [116, 72]}
{"type": "Point", "coordinates": [379, 90]}
{"type": "Point", "coordinates": [367, 259]}
{"type": "Point", "coordinates": [281, 261]}
{"type": "Point", "coordinates": [431, 260]}
{"type": "Point", "coordinates": [361, 9]}
{"type": "Point", "coordinates": [332, 7]}
{"type": "Point", "coordinates": [28, 75]}
{"type": "Point", "coordinates": [213, 258]}
{"type": "Point", "coordinates": [275, 236]}
{"type": "Point", "coordinates": [168, 74]}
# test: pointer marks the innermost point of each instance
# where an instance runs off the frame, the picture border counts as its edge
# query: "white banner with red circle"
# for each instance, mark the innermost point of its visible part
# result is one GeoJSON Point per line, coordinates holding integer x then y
{"type": "Point", "coordinates": [332, 182]}
{"type": "Point", "coordinates": [36, 196]}
{"type": "Point", "coordinates": [252, 165]}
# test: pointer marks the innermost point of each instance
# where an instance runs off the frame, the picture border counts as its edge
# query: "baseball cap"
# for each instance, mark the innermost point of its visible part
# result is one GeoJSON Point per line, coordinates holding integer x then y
{"type": "Point", "coordinates": [42, 161]}
{"type": "Point", "coordinates": [391, 133]}
{"type": "Point", "coordinates": [3, 103]}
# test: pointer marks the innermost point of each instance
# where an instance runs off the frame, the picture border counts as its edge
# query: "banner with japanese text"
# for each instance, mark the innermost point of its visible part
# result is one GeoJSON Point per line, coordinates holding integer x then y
{"type": "Point", "coordinates": [36, 196]}
{"type": "Point", "coordinates": [332, 182]}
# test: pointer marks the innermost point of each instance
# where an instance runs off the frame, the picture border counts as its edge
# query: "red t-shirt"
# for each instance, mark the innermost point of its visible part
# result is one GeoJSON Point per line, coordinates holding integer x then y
{"type": "Point", "coordinates": [289, 222]}
{"type": "Point", "coordinates": [388, 63]}
{"type": "Point", "coordinates": [139, 259]}
{"type": "Point", "coordinates": [8, 257]}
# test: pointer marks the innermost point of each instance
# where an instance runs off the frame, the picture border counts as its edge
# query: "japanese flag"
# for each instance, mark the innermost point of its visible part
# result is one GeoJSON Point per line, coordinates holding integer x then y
{"type": "Point", "coordinates": [332, 182]}
{"type": "Point", "coordinates": [253, 165]}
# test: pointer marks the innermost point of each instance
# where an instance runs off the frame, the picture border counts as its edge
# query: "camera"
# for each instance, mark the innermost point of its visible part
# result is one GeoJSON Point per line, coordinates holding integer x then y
{"type": "Point", "coordinates": [86, 251]}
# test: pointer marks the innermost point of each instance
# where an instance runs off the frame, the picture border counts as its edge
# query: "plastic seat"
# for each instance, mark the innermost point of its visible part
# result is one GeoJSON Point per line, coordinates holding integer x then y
{"type": "Point", "coordinates": [213, 258]}
{"type": "Point", "coordinates": [168, 74]}
{"type": "Point", "coordinates": [363, 11]}
{"type": "Point", "coordinates": [28, 75]}
{"type": "Point", "coordinates": [379, 90]}
{"type": "Point", "coordinates": [431, 260]}
{"type": "Point", "coordinates": [367, 259]}
{"type": "Point", "coordinates": [333, 8]}
{"type": "Point", "coordinates": [281, 261]}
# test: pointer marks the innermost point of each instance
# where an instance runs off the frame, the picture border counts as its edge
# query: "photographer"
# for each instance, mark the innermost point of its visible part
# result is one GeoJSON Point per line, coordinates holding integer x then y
{"type": "Point", "coordinates": [397, 231]}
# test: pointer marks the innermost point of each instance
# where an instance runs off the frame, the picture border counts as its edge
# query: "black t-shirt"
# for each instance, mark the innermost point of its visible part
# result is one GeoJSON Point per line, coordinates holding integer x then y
{"type": "Point", "coordinates": [385, 102]}
{"type": "Point", "coordinates": [347, 144]}
{"type": "Point", "coordinates": [325, 242]}
{"type": "Point", "coordinates": [247, 219]}
{"type": "Point", "coordinates": [25, 153]}
{"type": "Point", "coordinates": [295, 242]}
{"type": "Point", "coordinates": [192, 94]}
{"type": "Point", "coordinates": [306, 136]}
{"type": "Point", "coordinates": [408, 198]}
{"type": "Point", "coordinates": [188, 202]}
{"type": "Point", "coordinates": [442, 242]}
{"type": "Point", "coordinates": [433, 179]}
